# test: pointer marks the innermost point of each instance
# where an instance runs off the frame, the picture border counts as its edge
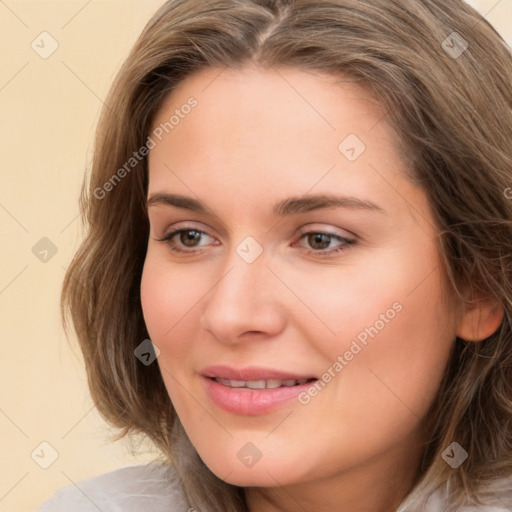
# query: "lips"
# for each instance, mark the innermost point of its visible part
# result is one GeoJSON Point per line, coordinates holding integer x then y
{"type": "Point", "coordinates": [253, 390]}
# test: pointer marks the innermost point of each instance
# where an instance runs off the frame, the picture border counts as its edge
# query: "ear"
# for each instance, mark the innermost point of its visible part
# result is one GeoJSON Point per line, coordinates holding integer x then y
{"type": "Point", "coordinates": [479, 319]}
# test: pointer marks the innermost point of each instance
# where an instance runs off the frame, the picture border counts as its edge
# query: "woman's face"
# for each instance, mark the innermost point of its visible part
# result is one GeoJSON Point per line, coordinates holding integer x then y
{"type": "Point", "coordinates": [302, 314]}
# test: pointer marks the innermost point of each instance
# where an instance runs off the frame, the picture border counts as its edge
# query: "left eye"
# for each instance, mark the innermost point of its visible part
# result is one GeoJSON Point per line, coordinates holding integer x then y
{"type": "Point", "coordinates": [315, 238]}
{"type": "Point", "coordinates": [190, 237]}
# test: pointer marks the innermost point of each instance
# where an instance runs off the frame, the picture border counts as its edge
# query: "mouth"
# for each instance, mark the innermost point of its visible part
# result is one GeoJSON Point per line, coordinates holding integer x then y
{"type": "Point", "coordinates": [263, 384]}
{"type": "Point", "coordinates": [255, 374]}
{"type": "Point", "coordinates": [253, 390]}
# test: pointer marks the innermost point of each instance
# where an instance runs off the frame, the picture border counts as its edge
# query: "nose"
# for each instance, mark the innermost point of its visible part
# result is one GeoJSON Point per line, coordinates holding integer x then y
{"type": "Point", "coordinates": [245, 302]}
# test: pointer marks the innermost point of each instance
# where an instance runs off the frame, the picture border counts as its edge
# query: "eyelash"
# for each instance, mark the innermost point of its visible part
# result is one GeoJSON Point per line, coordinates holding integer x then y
{"type": "Point", "coordinates": [347, 243]}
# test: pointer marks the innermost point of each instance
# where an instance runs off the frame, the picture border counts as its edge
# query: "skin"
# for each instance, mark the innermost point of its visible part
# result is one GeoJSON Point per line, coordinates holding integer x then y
{"type": "Point", "coordinates": [256, 137]}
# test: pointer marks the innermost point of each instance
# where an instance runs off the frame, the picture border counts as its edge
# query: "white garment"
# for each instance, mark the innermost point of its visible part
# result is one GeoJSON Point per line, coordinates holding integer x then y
{"type": "Point", "coordinates": [152, 488]}
{"type": "Point", "coordinates": [155, 487]}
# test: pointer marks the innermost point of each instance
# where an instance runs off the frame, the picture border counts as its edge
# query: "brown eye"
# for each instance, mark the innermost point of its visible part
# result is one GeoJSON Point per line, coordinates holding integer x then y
{"type": "Point", "coordinates": [187, 238]}
{"type": "Point", "coordinates": [320, 241]}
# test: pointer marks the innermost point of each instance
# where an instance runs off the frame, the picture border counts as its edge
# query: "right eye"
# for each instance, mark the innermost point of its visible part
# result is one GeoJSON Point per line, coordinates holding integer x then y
{"type": "Point", "coordinates": [187, 238]}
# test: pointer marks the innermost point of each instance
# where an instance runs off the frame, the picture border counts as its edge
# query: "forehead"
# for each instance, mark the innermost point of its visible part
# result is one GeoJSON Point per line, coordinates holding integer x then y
{"type": "Point", "coordinates": [250, 97]}
{"type": "Point", "coordinates": [283, 113]}
{"type": "Point", "coordinates": [254, 134]}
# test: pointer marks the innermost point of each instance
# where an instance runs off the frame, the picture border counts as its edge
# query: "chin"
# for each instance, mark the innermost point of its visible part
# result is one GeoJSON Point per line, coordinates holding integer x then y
{"type": "Point", "coordinates": [251, 478]}
{"type": "Point", "coordinates": [261, 474]}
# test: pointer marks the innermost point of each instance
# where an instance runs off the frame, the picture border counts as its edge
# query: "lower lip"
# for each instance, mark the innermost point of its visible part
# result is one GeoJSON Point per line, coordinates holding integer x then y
{"type": "Point", "coordinates": [252, 401]}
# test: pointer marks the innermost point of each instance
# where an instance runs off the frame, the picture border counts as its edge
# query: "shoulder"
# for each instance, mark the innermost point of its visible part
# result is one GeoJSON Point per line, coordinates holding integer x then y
{"type": "Point", "coordinates": [498, 501]}
{"type": "Point", "coordinates": [152, 486]}
{"type": "Point", "coordinates": [495, 499]}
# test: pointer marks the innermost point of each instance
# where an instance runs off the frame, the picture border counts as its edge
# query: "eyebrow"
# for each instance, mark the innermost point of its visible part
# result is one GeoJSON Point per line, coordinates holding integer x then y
{"type": "Point", "coordinates": [289, 206]}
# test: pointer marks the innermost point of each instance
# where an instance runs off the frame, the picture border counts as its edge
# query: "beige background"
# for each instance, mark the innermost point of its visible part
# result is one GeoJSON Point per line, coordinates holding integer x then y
{"type": "Point", "coordinates": [49, 108]}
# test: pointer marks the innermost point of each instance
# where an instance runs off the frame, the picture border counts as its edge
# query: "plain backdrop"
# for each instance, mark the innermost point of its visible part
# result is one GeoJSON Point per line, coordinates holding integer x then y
{"type": "Point", "coordinates": [58, 60]}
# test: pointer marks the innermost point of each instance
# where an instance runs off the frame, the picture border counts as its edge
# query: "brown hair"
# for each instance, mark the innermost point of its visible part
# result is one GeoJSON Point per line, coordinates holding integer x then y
{"type": "Point", "coordinates": [451, 106]}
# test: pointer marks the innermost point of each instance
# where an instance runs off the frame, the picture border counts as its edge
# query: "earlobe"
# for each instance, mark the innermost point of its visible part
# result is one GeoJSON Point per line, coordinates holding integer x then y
{"type": "Point", "coordinates": [480, 320]}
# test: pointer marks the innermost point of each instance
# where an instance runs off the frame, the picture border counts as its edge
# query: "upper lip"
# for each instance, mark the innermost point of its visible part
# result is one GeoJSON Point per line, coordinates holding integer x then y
{"type": "Point", "coordinates": [251, 373]}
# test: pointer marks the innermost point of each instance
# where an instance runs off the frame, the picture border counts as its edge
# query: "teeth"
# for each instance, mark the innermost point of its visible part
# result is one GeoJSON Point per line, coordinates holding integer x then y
{"type": "Point", "coordinates": [256, 384]}
{"type": "Point", "coordinates": [236, 383]}
{"type": "Point", "coordinates": [260, 384]}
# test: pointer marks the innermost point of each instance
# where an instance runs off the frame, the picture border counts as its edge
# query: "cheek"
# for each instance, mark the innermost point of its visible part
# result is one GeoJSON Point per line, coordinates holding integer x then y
{"type": "Point", "coordinates": [394, 332]}
{"type": "Point", "coordinates": [168, 297]}
{"type": "Point", "coordinates": [165, 300]}
{"type": "Point", "coordinates": [382, 393]}
{"type": "Point", "coordinates": [395, 376]}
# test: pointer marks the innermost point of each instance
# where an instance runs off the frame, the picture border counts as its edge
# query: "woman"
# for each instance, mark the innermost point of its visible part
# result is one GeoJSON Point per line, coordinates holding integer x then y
{"type": "Point", "coordinates": [274, 370]}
